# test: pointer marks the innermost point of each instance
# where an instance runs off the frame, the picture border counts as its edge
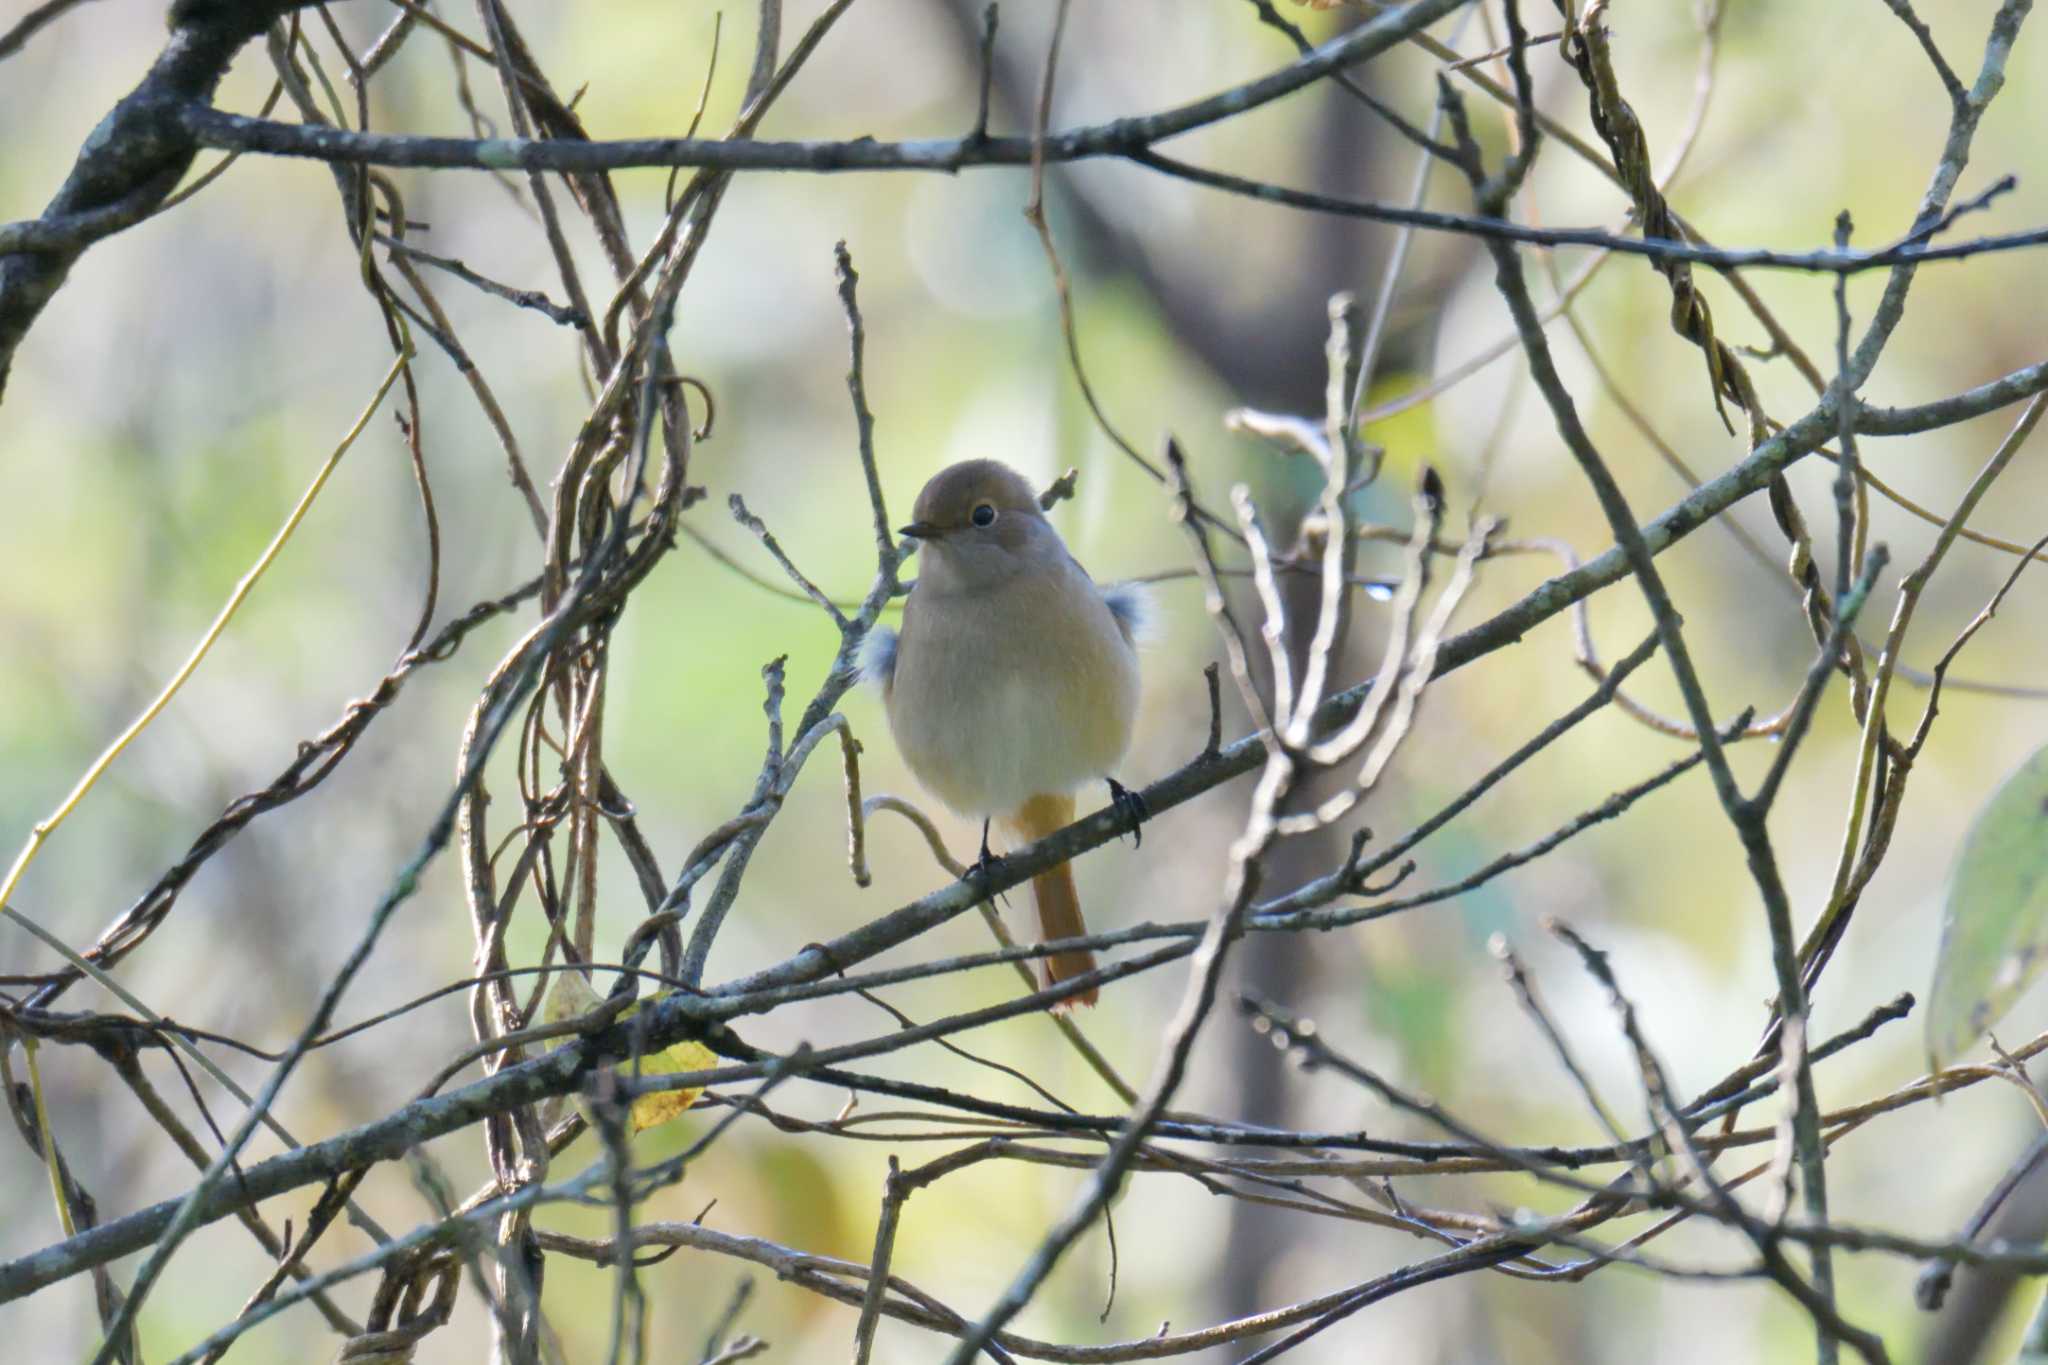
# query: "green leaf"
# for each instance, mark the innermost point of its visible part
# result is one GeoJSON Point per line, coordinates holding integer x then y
{"type": "Point", "coordinates": [1994, 931]}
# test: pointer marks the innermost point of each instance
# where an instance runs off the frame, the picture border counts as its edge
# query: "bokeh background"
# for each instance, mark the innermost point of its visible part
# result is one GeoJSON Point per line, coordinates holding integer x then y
{"type": "Point", "coordinates": [175, 398]}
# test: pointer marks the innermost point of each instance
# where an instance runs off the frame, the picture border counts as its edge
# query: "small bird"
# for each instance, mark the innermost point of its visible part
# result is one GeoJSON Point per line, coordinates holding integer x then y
{"type": "Point", "coordinates": [1014, 680]}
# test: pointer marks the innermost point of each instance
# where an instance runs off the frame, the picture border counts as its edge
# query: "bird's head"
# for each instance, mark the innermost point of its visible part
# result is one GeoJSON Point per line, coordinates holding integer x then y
{"type": "Point", "coordinates": [979, 520]}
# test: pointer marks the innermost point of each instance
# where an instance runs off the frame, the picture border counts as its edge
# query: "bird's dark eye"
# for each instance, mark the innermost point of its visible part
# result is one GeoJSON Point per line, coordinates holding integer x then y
{"type": "Point", "coordinates": [984, 514]}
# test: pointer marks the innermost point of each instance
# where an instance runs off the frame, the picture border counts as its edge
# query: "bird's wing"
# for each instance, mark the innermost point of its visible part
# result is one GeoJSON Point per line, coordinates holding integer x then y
{"type": "Point", "coordinates": [878, 656]}
{"type": "Point", "coordinates": [1132, 606]}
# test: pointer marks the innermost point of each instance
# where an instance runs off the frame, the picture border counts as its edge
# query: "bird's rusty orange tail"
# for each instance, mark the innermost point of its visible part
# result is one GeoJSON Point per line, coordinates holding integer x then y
{"type": "Point", "coordinates": [1059, 907]}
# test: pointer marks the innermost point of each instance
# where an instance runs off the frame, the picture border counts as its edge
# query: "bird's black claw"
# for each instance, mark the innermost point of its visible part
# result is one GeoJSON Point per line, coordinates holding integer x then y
{"type": "Point", "coordinates": [1132, 807]}
{"type": "Point", "coordinates": [983, 869]}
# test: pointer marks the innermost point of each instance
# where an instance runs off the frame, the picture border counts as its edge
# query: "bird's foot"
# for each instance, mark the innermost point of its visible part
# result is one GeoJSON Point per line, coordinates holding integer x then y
{"type": "Point", "coordinates": [982, 871]}
{"type": "Point", "coordinates": [1132, 807]}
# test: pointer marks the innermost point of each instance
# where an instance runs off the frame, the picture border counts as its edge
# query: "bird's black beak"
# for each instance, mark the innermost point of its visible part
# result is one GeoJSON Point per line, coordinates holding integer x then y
{"type": "Point", "coordinates": [919, 530]}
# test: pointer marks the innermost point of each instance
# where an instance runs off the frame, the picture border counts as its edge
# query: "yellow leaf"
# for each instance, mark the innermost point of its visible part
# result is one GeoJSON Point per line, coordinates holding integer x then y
{"type": "Point", "coordinates": [571, 997]}
{"type": "Point", "coordinates": [663, 1105]}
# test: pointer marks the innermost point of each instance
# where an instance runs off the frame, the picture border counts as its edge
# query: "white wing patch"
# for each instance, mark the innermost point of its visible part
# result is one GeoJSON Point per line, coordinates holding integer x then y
{"type": "Point", "coordinates": [1133, 606]}
{"type": "Point", "coordinates": [878, 656]}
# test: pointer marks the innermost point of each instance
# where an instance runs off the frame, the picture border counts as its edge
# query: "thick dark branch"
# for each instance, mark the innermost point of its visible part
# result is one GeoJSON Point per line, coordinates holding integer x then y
{"type": "Point", "coordinates": [1366, 41]}
{"type": "Point", "coordinates": [1131, 139]}
{"type": "Point", "coordinates": [561, 1072]}
{"type": "Point", "coordinates": [1710, 499]}
{"type": "Point", "coordinates": [133, 159]}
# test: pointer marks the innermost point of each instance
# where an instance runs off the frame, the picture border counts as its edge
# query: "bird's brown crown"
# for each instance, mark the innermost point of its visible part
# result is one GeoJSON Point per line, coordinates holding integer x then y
{"type": "Point", "coordinates": [950, 497]}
